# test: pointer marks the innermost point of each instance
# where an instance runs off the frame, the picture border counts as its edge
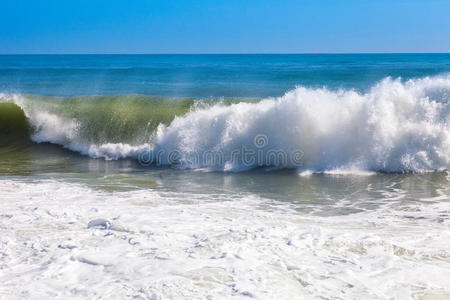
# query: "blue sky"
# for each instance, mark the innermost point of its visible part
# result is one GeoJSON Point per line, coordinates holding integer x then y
{"type": "Point", "coordinates": [228, 26]}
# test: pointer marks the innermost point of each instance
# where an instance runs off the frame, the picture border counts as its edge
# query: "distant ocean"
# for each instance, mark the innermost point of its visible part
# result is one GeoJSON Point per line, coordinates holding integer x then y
{"type": "Point", "coordinates": [212, 176]}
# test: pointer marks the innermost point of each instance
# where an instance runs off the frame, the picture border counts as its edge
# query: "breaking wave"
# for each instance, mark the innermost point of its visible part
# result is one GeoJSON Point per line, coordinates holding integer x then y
{"type": "Point", "coordinates": [395, 126]}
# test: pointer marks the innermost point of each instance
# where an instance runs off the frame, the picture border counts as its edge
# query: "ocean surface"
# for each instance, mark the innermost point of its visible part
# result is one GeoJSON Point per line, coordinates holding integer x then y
{"type": "Point", "coordinates": [225, 176]}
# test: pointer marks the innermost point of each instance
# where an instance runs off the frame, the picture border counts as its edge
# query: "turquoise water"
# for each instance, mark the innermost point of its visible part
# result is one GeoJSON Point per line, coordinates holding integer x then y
{"type": "Point", "coordinates": [207, 75]}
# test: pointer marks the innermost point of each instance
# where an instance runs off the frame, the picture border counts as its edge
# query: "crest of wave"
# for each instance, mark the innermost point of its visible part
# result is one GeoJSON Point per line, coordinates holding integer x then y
{"type": "Point", "coordinates": [393, 127]}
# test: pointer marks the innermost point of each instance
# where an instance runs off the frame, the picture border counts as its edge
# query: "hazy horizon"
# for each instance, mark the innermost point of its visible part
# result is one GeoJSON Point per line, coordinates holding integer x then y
{"type": "Point", "coordinates": [234, 53]}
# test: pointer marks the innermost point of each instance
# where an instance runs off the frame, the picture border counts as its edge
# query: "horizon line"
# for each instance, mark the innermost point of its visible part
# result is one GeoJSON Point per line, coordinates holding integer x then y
{"type": "Point", "coordinates": [229, 53]}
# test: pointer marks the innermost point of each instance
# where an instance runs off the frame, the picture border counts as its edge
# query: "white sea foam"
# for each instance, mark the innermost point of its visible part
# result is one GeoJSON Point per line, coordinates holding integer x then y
{"type": "Point", "coordinates": [63, 240]}
{"type": "Point", "coordinates": [396, 126]}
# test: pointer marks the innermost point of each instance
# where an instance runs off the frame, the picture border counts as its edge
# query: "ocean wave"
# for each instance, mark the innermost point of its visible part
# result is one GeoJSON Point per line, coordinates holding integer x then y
{"type": "Point", "coordinates": [397, 126]}
{"type": "Point", "coordinates": [14, 127]}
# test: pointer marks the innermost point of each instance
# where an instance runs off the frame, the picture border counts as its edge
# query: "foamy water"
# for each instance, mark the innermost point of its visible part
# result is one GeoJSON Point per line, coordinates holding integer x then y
{"type": "Point", "coordinates": [65, 240]}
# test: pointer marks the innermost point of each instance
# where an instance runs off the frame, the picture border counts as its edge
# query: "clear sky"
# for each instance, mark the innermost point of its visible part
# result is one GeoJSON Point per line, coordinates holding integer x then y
{"type": "Point", "coordinates": [227, 26]}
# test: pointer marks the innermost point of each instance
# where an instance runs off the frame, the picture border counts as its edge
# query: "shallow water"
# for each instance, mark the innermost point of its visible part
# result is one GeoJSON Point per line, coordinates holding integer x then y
{"type": "Point", "coordinates": [171, 233]}
{"type": "Point", "coordinates": [187, 234]}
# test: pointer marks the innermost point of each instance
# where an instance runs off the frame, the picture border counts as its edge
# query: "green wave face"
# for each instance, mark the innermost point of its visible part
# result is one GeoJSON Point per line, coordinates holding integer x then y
{"type": "Point", "coordinates": [114, 119]}
{"type": "Point", "coordinates": [13, 124]}
{"type": "Point", "coordinates": [14, 140]}
{"type": "Point", "coordinates": [130, 119]}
